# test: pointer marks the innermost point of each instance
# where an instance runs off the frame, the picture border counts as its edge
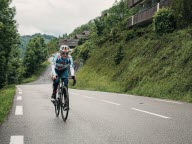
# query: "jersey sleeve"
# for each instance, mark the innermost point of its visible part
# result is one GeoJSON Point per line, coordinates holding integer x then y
{"type": "Point", "coordinates": [53, 65]}
{"type": "Point", "coordinates": [71, 66]}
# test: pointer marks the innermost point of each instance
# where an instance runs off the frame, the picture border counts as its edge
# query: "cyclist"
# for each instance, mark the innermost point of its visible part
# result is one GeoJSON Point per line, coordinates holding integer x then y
{"type": "Point", "coordinates": [60, 64]}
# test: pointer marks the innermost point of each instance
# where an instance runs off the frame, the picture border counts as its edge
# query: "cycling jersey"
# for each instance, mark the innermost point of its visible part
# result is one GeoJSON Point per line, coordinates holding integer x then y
{"type": "Point", "coordinates": [61, 64]}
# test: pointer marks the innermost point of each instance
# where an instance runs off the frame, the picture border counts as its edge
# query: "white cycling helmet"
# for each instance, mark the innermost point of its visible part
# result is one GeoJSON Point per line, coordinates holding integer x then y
{"type": "Point", "coordinates": [64, 48]}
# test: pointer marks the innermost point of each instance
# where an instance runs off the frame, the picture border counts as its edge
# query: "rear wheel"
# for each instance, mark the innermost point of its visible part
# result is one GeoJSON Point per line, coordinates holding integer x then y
{"type": "Point", "coordinates": [64, 104]}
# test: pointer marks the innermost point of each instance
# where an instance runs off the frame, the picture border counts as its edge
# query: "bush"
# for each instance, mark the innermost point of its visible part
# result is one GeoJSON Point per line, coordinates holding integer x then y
{"type": "Point", "coordinates": [81, 41]}
{"type": "Point", "coordinates": [164, 21]}
{"type": "Point", "coordinates": [119, 56]}
{"type": "Point", "coordinates": [182, 11]}
{"type": "Point", "coordinates": [1, 25]}
{"type": "Point", "coordinates": [130, 35]}
{"type": "Point", "coordinates": [84, 54]}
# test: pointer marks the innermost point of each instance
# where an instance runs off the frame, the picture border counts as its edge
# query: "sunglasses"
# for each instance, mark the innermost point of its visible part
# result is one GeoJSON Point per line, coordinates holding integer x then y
{"type": "Point", "coordinates": [65, 53]}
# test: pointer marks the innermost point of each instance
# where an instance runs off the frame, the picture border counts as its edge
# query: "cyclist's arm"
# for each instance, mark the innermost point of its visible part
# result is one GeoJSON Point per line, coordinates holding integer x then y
{"type": "Point", "coordinates": [53, 65]}
{"type": "Point", "coordinates": [71, 66]}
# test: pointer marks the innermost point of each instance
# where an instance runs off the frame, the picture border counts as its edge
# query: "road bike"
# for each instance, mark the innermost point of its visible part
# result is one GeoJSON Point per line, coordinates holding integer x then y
{"type": "Point", "coordinates": [62, 99]}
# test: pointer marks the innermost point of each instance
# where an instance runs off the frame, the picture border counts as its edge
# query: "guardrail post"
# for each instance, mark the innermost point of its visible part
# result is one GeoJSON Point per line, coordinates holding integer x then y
{"type": "Point", "coordinates": [132, 19]}
{"type": "Point", "coordinates": [157, 6]}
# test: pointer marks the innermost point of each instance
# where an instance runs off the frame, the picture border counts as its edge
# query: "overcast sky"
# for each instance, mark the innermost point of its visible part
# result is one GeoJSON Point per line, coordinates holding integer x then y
{"type": "Point", "coordinates": [56, 17]}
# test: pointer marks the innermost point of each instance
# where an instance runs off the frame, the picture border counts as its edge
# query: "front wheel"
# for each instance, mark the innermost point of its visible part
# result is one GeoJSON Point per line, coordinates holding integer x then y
{"type": "Point", "coordinates": [57, 105]}
{"type": "Point", "coordinates": [64, 104]}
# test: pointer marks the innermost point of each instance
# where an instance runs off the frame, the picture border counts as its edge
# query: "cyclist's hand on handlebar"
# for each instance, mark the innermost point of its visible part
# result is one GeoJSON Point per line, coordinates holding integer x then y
{"type": "Point", "coordinates": [74, 79]}
{"type": "Point", "coordinates": [54, 77]}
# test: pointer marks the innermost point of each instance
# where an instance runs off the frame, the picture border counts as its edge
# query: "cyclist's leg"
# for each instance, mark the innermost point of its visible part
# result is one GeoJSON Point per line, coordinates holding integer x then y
{"type": "Point", "coordinates": [65, 74]}
{"type": "Point", "coordinates": [55, 85]}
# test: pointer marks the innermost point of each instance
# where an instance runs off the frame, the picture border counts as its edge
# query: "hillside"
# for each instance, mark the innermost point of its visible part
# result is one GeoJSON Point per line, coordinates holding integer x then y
{"type": "Point", "coordinates": [137, 61]}
{"type": "Point", "coordinates": [152, 66]}
{"type": "Point", "coordinates": [25, 39]}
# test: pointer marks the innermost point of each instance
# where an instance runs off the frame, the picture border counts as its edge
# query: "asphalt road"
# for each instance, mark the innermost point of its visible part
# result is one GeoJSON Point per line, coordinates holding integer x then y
{"type": "Point", "coordinates": [94, 118]}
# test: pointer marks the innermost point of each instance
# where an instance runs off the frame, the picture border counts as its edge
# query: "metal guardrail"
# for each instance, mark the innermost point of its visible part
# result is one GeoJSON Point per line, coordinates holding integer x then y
{"type": "Point", "coordinates": [130, 21]}
{"type": "Point", "coordinates": [144, 15]}
{"type": "Point", "coordinates": [165, 3]}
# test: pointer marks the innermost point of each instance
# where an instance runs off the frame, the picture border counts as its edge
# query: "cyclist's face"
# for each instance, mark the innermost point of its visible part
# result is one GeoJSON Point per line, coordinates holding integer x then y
{"type": "Point", "coordinates": [64, 55]}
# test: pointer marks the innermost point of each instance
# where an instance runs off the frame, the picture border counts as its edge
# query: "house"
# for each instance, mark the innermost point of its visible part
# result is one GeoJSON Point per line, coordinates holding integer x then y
{"type": "Point", "coordinates": [80, 36]}
{"type": "Point", "coordinates": [147, 9]}
{"type": "Point", "coordinates": [84, 35]}
{"type": "Point", "coordinates": [72, 43]}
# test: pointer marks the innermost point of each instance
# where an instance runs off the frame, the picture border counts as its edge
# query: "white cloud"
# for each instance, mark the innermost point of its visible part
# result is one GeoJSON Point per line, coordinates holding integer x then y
{"type": "Point", "coordinates": [56, 16]}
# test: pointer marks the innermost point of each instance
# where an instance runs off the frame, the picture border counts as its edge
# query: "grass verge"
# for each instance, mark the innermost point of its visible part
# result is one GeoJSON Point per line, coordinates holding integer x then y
{"type": "Point", "coordinates": [6, 100]}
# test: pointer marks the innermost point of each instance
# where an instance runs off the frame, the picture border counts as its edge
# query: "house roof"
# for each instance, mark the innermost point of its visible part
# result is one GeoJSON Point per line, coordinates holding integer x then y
{"type": "Point", "coordinates": [86, 32]}
{"type": "Point", "coordinates": [79, 36]}
{"type": "Point", "coordinates": [70, 42]}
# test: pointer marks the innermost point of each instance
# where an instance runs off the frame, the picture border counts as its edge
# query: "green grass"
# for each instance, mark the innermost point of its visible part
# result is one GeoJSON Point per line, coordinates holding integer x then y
{"type": "Point", "coordinates": [35, 76]}
{"type": "Point", "coordinates": [6, 101]}
{"type": "Point", "coordinates": [154, 66]}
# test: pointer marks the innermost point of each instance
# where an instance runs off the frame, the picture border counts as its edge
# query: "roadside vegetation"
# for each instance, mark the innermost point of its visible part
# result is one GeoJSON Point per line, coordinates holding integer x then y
{"type": "Point", "coordinates": [37, 73]}
{"type": "Point", "coordinates": [22, 60]}
{"type": "Point", "coordinates": [6, 100]}
{"type": "Point", "coordinates": [24, 40]}
{"type": "Point", "coordinates": [143, 61]}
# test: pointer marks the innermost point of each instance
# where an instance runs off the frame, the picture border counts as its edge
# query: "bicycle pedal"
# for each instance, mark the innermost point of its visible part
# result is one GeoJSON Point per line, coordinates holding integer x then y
{"type": "Point", "coordinates": [66, 109]}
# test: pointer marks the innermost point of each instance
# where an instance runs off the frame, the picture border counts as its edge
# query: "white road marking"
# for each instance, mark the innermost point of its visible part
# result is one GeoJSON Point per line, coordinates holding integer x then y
{"type": "Point", "coordinates": [110, 102]}
{"type": "Point", "coordinates": [169, 101]}
{"type": "Point", "coordinates": [151, 113]}
{"type": "Point", "coordinates": [19, 110]}
{"type": "Point", "coordinates": [74, 93]}
{"type": "Point", "coordinates": [19, 89]}
{"type": "Point", "coordinates": [20, 92]}
{"type": "Point", "coordinates": [126, 95]}
{"type": "Point", "coordinates": [89, 97]}
{"type": "Point", "coordinates": [17, 139]}
{"type": "Point", "coordinates": [83, 95]}
{"type": "Point", "coordinates": [19, 98]}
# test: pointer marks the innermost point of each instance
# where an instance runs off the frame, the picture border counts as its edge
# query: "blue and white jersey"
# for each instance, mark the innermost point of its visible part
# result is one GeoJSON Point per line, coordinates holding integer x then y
{"type": "Point", "coordinates": [59, 63]}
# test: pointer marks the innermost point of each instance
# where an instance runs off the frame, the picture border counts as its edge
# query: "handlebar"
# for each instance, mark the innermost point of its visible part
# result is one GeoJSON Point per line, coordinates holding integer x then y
{"type": "Point", "coordinates": [71, 77]}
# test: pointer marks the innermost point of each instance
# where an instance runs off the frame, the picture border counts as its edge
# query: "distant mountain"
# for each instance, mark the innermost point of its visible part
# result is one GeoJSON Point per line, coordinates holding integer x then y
{"type": "Point", "coordinates": [25, 39]}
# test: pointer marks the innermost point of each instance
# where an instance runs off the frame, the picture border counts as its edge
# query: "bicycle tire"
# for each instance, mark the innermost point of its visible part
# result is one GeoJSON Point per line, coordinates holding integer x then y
{"type": "Point", "coordinates": [64, 101]}
{"type": "Point", "coordinates": [57, 104]}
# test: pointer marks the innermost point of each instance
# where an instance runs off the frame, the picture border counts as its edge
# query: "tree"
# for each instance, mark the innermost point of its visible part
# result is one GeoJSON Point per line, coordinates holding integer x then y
{"type": "Point", "coordinates": [15, 69]}
{"type": "Point", "coordinates": [65, 36]}
{"type": "Point", "coordinates": [164, 21]}
{"type": "Point", "coordinates": [182, 10]}
{"type": "Point", "coordinates": [52, 46]}
{"type": "Point", "coordinates": [35, 54]}
{"type": "Point", "coordinates": [8, 38]}
{"type": "Point", "coordinates": [120, 55]}
{"type": "Point", "coordinates": [99, 26]}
